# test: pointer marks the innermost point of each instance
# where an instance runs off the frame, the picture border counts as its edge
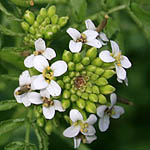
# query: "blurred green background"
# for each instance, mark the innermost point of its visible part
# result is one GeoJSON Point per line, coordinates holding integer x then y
{"type": "Point", "coordinates": [130, 27]}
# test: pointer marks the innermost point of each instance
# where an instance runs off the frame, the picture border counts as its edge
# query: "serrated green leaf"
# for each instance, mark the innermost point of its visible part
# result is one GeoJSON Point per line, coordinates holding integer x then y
{"type": "Point", "coordinates": [6, 31]}
{"type": "Point", "coordinates": [79, 8]}
{"type": "Point", "coordinates": [10, 125]}
{"type": "Point", "coordinates": [7, 104]}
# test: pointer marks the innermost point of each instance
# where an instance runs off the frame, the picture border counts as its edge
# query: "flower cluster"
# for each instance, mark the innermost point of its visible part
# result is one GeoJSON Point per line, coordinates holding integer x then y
{"type": "Point", "coordinates": [84, 87]}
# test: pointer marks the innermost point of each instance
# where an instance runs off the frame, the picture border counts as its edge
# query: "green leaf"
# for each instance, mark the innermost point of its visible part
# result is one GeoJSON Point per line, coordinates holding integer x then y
{"type": "Point", "coordinates": [9, 32]}
{"type": "Point", "coordinates": [7, 104]}
{"type": "Point", "coordinates": [11, 16]}
{"type": "Point", "coordinates": [10, 125]}
{"type": "Point", "coordinates": [79, 8]}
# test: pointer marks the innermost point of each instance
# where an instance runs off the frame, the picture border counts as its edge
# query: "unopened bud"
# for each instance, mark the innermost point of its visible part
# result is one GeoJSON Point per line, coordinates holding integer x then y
{"type": "Point", "coordinates": [108, 65]}
{"type": "Point", "coordinates": [85, 96]}
{"type": "Point", "coordinates": [48, 35]}
{"type": "Point", "coordinates": [94, 77]}
{"type": "Point", "coordinates": [65, 103]}
{"type": "Point", "coordinates": [88, 89]}
{"type": "Point", "coordinates": [62, 21]}
{"type": "Point", "coordinates": [74, 98]}
{"type": "Point", "coordinates": [108, 74]}
{"type": "Point", "coordinates": [79, 67]}
{"type": "Point", "coordinates": [86, 61]}
{"type": "Point", "coordinates": [32, 30]}
{"type": "Point", "coordinates": [43, 12]}
{"type": "Point", "coordinates": [67, 86]}
{"type": "Point", "coordinates": [54, 28]}
{"type": "Point", "coordinates": [66, 94]}
{"type": "Point", "coordinates": [92, 53]}
{"type": "Point", "coordinates": [97, 62]}
{"type": "Point", "coordinates": [99, 71]}
{"type": "Point", "coordinates": [72, 90]}
{"type": "Point", "coordinates": [36, 113]}
{"type": "Point", "coordinates": [25, 26]}
{"type": "Point", "coordinates": [102, 99]}
{"type": "Point", "coordinates": [48, 127]}
{"type": "Point", "coordinates": [90, 107]}
{"type": "Point", "coordinates": [38, 35]}
{"type": "Point", "coordinates": [107, 89]}
{"type": "Point", "coordinates": [29, 17]}
{"type": "Point", "coordinates": [71, 66]}
{"type": "Point", "coordinates": [101, 81]}
{"type": "Point", "coordinates": [40, 122]}
{"type": "Point", "coordinates": [67, 56]}
{"type": "Point", "coordinates": [89, 73]}
{"type": "Point", "coordinates": [93, 97]}
{"type": "Point", "coordinates": [91, 68]}
{"type": "Point", "coordinates": [66, 79]}
{"type": "Point", "coordinates": [79, 93]}
{"type": "Point", "coordinates": [61, 84]}
{"type": "Point", "coordinates": [80, 103]}
{"type": "Point", "coordinates": [95, 89]}
{"type": "Point", "coordinates": [71, 74]}
{"type": "Point", "coordinates": [39, 18]}
{"type": "Point", "coordinates": [36, 24]}
{"type": "Point", "coordinates": [51, 11]}
{"type": "Point", "coordinates": [54, 19]}
{"type": "Point", "coordinates": [77, 57]}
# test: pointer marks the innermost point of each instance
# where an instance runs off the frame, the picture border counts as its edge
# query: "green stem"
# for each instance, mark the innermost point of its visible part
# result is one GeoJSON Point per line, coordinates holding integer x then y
{"type": "Point", "coordinates": [118, 8]}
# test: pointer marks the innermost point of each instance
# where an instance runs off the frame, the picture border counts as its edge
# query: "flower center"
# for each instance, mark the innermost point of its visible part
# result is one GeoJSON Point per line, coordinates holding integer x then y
{"type": "Point", "coordinates": [84, 127]}
{"type": "Point", "coordinates": [48, 74]}
{"type": "Point", "coordinates": [39, 52]}
{"type": "Point", "coordinates": [82, 38]}
{"type": "Point", "coordinates": [110, 111]}
{"type": "Point", "coordinates": [117, 58]}
{"type": "Point", "coordinates": [80, 82]}
{"type": "Point", "coordinates": [23, 89]}
{"type": "Point", "coordinates": [47, 102]}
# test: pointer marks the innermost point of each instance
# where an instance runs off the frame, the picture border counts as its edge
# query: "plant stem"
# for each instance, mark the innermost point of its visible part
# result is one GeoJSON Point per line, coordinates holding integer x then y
{"type": "Point", "coordinates": [118, 8]}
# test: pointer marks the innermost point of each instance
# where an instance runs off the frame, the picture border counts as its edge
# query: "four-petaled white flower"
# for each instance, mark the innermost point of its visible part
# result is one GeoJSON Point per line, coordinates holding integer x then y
{"type": "Point", "coordinates": [120, 61]}
{"type": "Point", "coordinates": [88, 37]}
{"type": "Point", "coordinates": [21, 93]}
{"type": "Point", "coordinates": [105, 112]}
{"type": "Point", "coordinates": [45, 80]}
{"type": "Point", "coordinates": [101, 37]}
{"type": "Point", "coordinates": [80, 129]}
{"type": "Point", "coordinates": [40, 49]}
{"type": "Point", "coordinates": [49, 105]}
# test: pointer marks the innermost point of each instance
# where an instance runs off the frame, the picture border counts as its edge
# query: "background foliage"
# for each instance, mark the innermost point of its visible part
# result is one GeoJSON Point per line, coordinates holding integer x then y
{"type": "Point", "coordinates": [129, 25]}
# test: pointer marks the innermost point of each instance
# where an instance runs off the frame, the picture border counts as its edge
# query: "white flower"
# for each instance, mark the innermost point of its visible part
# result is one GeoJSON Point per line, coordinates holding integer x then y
{"type": "Point", "coordinates": [101, 37]}
{"type": "Point", "coordinates": [80, 129]}
{"type": "Point", "coordinates": [21, 93]}
{"type": "Point", "coordinates": [40, 49]}
{"type": "Point", "coordinates": [49, 105]}
{"type": "Point", "coordinates": [125, 81]}
{"type": "Point", "coordinates": [45, 80]}
{"type": "Point", "coordinates": [120, 61]}
{"type": "Point", "coordinates": [88, 37]}
{"type": "Point", "coordinates": [105, 112]}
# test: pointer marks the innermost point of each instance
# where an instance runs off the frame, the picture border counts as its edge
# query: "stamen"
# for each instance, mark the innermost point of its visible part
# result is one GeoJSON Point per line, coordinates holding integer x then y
{"type": "Point", "coordinates": [82, 38]}
{"type": "Point", "coordinates": [47, 102]}
{"type": "Point", "coordinates": [39, 52]}
{"type": "Point", "coordinates": [23, 89]}
{"type": "Point", "coordinates": [48, 74]}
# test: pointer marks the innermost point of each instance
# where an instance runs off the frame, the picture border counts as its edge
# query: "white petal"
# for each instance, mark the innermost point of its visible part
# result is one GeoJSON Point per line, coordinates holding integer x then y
{"type": "Point", "coordinates": [115, 48]}
{"type": "Point", "coordinates": [126, 81]}
{"type": "Point", "coordinates": [44, 93]}
{"type": "Point", "coordinates": [75, 47]}
{"type": "Point", "coordinates": [40, 44]}
{"type": "Point", "coordinates": [106, 57]}
{"type": "Point", "coordinates": [49, 112]}
{"type": "Point", "coordinates": [125, 62]}
{"type": "Point", "coordinates": [90, 34]}
{"type": "Point", "coordinates": [18, 97]}
{"type": "Point", "coordinates": [59, 67]}
{"type": "Point", "coordinates": [91, 131]}
{"type": "Point", "coordinates": [75, 115]}
{"type": "Point", "coordinates": [40, 63]}
{"type": "Point", "coordinates": [72, 131]}
{"type": "Point", "coordinates": [95, 43]}
{"type": "Point", "coordinates": [77, 142]}
{"type": "Point", "coordinates": [35, 98]}
{"type": "Point", "coordinates": [92, 119]}
{"type": "Point", "coordinates": [25, 101]}
{"type": "Point", "coordinates": [32, 79]}
{"type": "Point", "coordinates": [24, 78]}
{"type": "Point", "coordinates": [104, 123]}
{"type": "Point", "coordinates": [49, 53]}
{"type": "Point", "coordinates": [121, 73]}
{"type": "Point", "coordinates": [90, 25]}
{"type": "Point", "coordinates": [118, 111]}
{"type": "Point", "coordinates": [100, 110]}
{"type": "Point", "coordinates": [28, 62]}
{"type": "Point", "coordinates": [103, 37]}
{"type": "Point", "coordinates": [54, 89]}
{"type": "Point", "coordinates": [90, 139]}
{"type": "Point", "coordinates": [75, 34]}
{"type": "Point", "coordinates": [58, 106]}
{"type": "Point", "coordinates": [113, 99]}
{"type": "Point", "coordinates": [39, 82]}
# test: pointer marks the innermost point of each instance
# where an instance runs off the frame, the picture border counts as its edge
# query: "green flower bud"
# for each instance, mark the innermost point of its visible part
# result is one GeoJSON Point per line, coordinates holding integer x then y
{"type": "Point", "coordinates": [32, 30]}
{"type": "Point", "coordinates": [93, 97]}
{"type": "Point", "coordinates": [38, 35]}
{"type": "Point", "coordinates": [94, 77]}
{"type": "Point", "coordinates": [66, 94]}
{"type": "Point", "coordinates": [48, 127]}
{"type": "Point", "coordinates": [92, 53]}
{"type": "Point", "coordinates": [88, 89]}
{"type": "Point", "coordinates": [43, 12]}
{"type": "Point", "coordinates": [71, 74]}
{"type": "Point", "coordinates": [39, 109]}
{"type": "Point", "coordinates": [42, 30]}
{"type": "Point", "coordinates": [77, 57]}
{"type": "Point", "coordinates": [108, 74]}
{"type": "Point", "coordinates": [89, 73]}
{"type": "Point", "coordinates": [85, 96]}
{"type": "Point", "coordinates": [79, 67]}
{"type": "Point", "coordinates": [86, 61]}
{"type": "Point", "coordinates": [51, 11]}
{"type": "Point", "coordinates": [65, 103]}
{"type": "Point", "coordinates": [107, 89]}
{"type": "Point", "coordinates": [54, 19]}
{"type": "Point", "coordinates": [79, 93]}
{"type": "Point", "coordinates": [97, 62]}
{"type": "Point", "coordinates": [74, 98]}
{"type": "Point", "coordinates": [91, 68]}
{"type": "Point", "coordinates": [67, 119]}
{"type": "Point", "coordinates": [108, 65]}
{"type": "Point", "coordinates": [89, 84]}
{"type": "Point", "coordinates": [48, 35]}
{"type": "Point", "coordinates": [67, 56]}
{"type": "Point", "coordinates": [101, 81]}
{"type": "Point", "coordinates": [95, 89]}
{"type": "Point", "coordinates": [61, 84]}
{"type": "Point", "coordinates": [102, 99]}
{"type": "Point", "coordinates": [77, 74]}
{"type": "Point", "coordinates": [29, 17]}
{"type": "Point", "coordinates": [66, 79]}
{"type": "Point", "coordinates": [36, 24]}
{"type": "Point", "coordinates": [40, 122]}
{"type": "Point", "coordinates": [83, 72]}
{"type": "Point", "coordinates": [62, 21]}
{"type": "Point", "coordinates": [36, 113]}
{"type": "Point", "coordinates": [39, 19]}
{"type": "Point", "coordinates": [80, 103]}
{"type": "Point", "coordinates": [72, 90]}
{"type": "Point", "coordinates": [99, 71]}
{"type": "Point", "coordinates": [67, 86]}
{"type": "Point", "coordinates": [48, 28]}
{"type": "Point", "coordinates": [90, 107]}
{"type": "Point", "coordinates": [54, 28]}
{"type": "Point", "coordinates": [71, 66]}
{"type": "Point", "coordinates": [47, 20]}
{"type": "Point", "coordinates": [25, 26]}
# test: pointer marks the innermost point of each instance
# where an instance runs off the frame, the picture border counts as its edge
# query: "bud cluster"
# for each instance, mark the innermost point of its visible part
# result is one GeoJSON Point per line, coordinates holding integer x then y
{"type": "Point", "coordinates": [45, 25]}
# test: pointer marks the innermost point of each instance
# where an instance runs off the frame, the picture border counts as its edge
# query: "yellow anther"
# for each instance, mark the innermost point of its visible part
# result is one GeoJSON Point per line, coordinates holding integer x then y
{"type": "Point", "coordinates": [85, 130]}
{"type": "Point", "coordinates": [118, 64]}
{"type": "Point", "coordinates": [82, 130]}
{"type": "Point", "coordinates": [45, 105]}
{"type": "Point", "coordinates": [86, 125]}
{"type": "Point", "coordinates": [17, 92]}
{"type": "Point", "coordinates": [83, 36]}
{"type": "Point", "coordinates": [113, 112]}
